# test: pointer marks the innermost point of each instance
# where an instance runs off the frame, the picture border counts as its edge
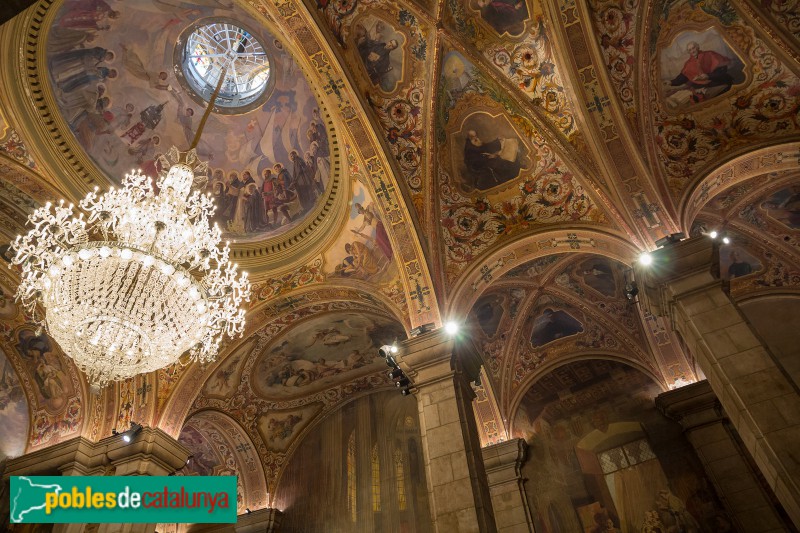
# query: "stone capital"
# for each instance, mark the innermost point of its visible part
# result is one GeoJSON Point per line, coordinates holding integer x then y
{"type": "Point", "coordinates": [677, 269]}
{"type": "Point", "coordinates": [692, 406]}
{"type": "Point", "coordinates": [504, 460]}
{"type": "Point", "coordinates": [436, 355]}
{"type": "Point", "coordinates": [150, 453]}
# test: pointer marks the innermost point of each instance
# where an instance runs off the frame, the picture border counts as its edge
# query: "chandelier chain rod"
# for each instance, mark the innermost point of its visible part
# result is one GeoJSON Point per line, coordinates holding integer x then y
{"type": "Point", "coordinates": [209, 108]}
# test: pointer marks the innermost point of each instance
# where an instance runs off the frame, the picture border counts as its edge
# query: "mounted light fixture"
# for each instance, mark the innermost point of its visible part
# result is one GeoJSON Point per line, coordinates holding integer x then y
{"type": "Point", "coordinates": [137, 281]}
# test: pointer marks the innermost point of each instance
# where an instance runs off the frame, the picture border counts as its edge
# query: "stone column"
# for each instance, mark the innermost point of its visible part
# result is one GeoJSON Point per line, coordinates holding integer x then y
{"type": "Point", "coordinates": [441, 370]}
{"type": "Point", "coordinates": [728, 467]}
{"type": "Point", "coordinates": [762, 404]}
{"type": "Point", "coordinates": [150, 453]}
{"type": "Point", "coordinates": [510, 502]}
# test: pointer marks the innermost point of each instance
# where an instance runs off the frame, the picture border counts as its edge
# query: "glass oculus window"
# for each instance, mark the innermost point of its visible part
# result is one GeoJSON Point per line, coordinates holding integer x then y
{"type": "Point", "coordinates": [222, 48]}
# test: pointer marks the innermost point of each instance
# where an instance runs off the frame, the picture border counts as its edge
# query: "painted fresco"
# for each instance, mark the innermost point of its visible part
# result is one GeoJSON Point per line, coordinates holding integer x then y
{"type": "Point", "coordinates": [14, 414]}
{"type": "Point", "coordinates": [488, 152]}
{"type": "Point", "coordinates": [279, 428]}
{"type": "Point", "coordinates": [482, 202]}
{"type": "Point", "coordinates": [113, 77]}
{"type": "Point", "coordinates": [363, 251]}
{"type": "Point", "coordinates": [8, 309]}
{"type": "Point", "coordinates": [784, 207]}
{"type": "Point", "coordinates": [488, 312]}
{"type": "Point", "coordinates": [553, 325]}
{"type": "Point", "coordinates": [227, 376]}
{"type": "Point", "coordinates": [598, 273]}
{"type": "Point", "coordinates": [38, 353]}
{"type": "Point", "coordinates": [735, 262]}
{"type": "Point", "coordinates": [587, 424]}
{"type": "Point", "coordinates": [697, 67]}
{"type": "Point", "coordinates": [205, 461]}
{"type": "Point", "coordinates": [691, 136]}
{"type": "Point", "coordinates": [504, 16]}
{"type": "Point", "coordinates": [380, 47]}
{"type": "Point", "coordinates": [321, 351]}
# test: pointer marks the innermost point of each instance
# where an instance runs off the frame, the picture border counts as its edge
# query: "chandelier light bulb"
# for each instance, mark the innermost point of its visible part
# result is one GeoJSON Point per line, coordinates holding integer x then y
{"type": "Point", "coordinates": [140, 281]}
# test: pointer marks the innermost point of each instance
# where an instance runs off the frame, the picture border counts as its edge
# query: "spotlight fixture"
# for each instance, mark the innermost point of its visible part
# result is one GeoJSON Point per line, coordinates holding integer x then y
{"type": "Point", "coordinates": [713, 234]}
{"type": "Point", "coordinates": [130, 433]}
{"type": "Point", "coordinates": [390, 362]}
{"type": "Point", "coordinates": [395, 374]}
{"type": "Point", "coordinates": [645, 259]}
{"type": "Point", "coordinates": [188, 459]}
{"type": "Point", "coordinates": [726, 240]}
{"type": "Point", "coordinates": [419, 330]}
{"type": "Point", "coordinates": [631, 290]}
{"type": "Point", "coordinates": [402, 382]}
{"type": "Point", "coordinates": [451, 327]}
{"type": "Point", "coordinates": [385, 350]}
{"type": "Point", "coordinates": [247, 510]}
{"type": "Point", "coordinates": [406, 391]}
{"type": "Point", "coordinates": [394, 348]}
{"type": "Point", "coordinates": [670, 239]}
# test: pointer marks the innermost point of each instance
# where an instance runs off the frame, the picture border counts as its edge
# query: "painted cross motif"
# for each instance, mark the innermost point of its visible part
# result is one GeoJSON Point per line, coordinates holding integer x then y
{"type": "Point", "coordinates": [143, 390]}
{"type": "Point", "coordinates": [242, 447]}
{"type": "Point", "coordinates": [419, 293]}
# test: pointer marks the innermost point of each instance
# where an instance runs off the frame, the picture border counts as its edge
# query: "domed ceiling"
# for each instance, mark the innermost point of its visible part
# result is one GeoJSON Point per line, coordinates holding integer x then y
{"type": "Point", "coordinates": [129, 83]}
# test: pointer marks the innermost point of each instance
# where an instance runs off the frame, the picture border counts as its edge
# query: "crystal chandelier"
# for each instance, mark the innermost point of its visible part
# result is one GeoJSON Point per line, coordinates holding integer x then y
{"type": "Point", "coordinates": [140, 282]}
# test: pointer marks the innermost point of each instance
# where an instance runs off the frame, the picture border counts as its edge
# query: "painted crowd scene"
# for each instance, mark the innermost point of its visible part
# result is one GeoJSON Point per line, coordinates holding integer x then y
{"type": "Point", "coordinates": [269, 165]}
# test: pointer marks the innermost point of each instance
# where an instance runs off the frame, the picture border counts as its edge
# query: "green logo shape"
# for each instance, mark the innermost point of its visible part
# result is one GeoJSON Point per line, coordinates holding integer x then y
{"type": "Point", "coordinates": [129, 499]}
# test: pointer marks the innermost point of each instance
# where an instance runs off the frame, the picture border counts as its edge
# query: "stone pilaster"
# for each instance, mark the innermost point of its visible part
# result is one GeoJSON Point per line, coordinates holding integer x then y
{"type": "Point", "coordinates": [503, 464]}
{"type": "Point", "coordinates": [700, 414]}
{"type": "Point", "coordinates": [760, 402]}
{"type": "Point", "coordinates": [441, 369]}
{"type": "Point", "coordinates": [150, 453]}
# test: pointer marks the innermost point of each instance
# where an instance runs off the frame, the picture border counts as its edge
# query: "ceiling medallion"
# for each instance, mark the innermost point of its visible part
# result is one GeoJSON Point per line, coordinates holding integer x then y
{"type": "Point", "coordinates": [138, 283]}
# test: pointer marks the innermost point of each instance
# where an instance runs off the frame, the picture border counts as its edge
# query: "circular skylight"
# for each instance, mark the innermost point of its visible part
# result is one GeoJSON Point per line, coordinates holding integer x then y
{"type": "Point", "coordinates": [221, 48]}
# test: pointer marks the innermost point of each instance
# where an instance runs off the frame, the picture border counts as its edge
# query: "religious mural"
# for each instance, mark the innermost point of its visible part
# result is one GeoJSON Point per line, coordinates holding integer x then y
{"type": "Point", "coordinates": [363, 251]}
{"type": "Point", "coordinates": [504, 16]}
{"type": "Point", "coordinates": [279, 428]}
{"type": "Point", "coordinates": [698, 66]}
{"type": "Point", "coordinates": [735, 262]}
{"type": "Point", "coordinates": [593, 467]}
{"type": "Point", "coordinates": [14, 414]}
{"type": "Point", "coordinates": [321, 351]}
{"type": "Point", "coordinates": [475, 211]}
{"type": "Point", "coordinates": [488, 312]}
{"type": "Point", "coordinates": [488, 152]}
{"type": "Point", "coordinates": [552, 325]}
{"type": "Point", "coordinates": [784, 206]}
{"type": "Point", "coordinates": [227, 376]}
{"type": "Point", "coordinates": [38, 353]}
{"type": "Point", "coordinates": [268, 166]}
{"type": "Point", "coordinates": [753, 91]}
{"type": "Point", "coordinates": [380, 47]}
{"type": "Point", "coordinates": [598, 273]}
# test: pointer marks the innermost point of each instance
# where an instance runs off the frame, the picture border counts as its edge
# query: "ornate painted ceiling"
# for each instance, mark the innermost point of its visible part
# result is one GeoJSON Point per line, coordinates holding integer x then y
{"type": "Point", "coordinates": [497, 162]}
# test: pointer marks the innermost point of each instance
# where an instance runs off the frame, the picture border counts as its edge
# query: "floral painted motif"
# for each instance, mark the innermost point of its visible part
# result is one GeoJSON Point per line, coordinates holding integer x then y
{"type": "Point", "coordinates": [400, 112]}
{"type": "Point", "coordinates": [273, 287]}
{"type": "Point", "coordinates": [785, 14]}
{"type": "Point", "coordinates": [615, 27]}
{"type": "Point", "coordinates": [12, 145]}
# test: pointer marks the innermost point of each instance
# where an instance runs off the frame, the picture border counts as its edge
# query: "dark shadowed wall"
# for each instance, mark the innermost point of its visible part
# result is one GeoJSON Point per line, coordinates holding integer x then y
{"type": "Point", "coordinates": [360, 469]}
